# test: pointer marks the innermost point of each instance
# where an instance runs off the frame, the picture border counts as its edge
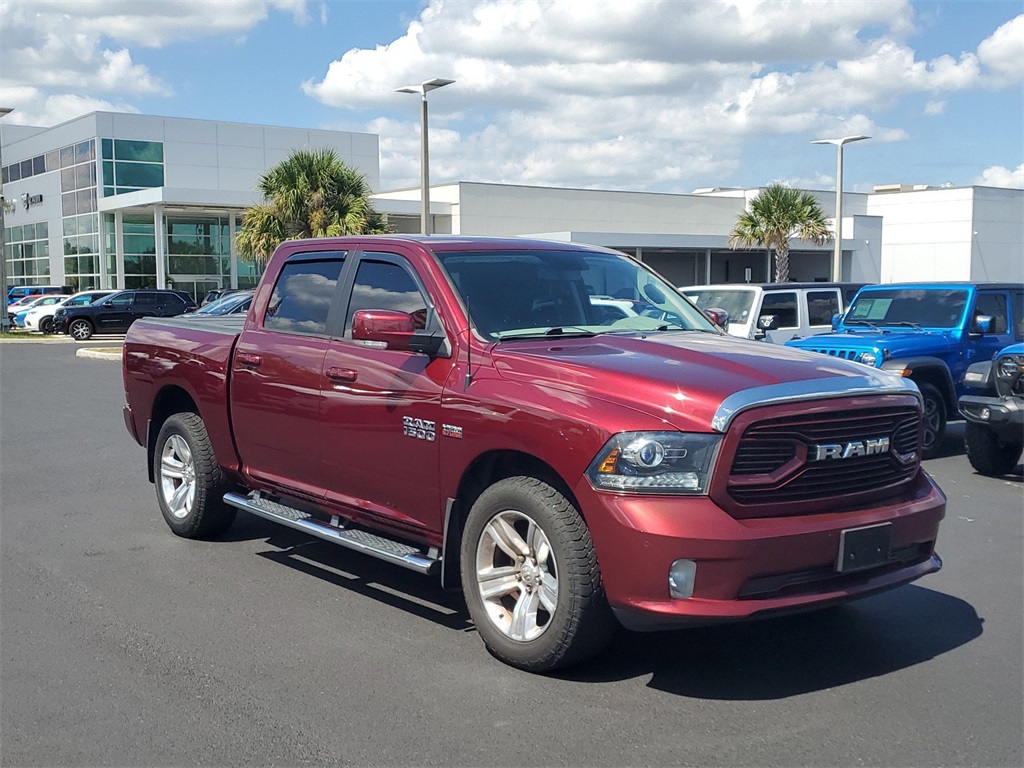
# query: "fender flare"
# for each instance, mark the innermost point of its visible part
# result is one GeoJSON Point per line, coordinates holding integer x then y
{"type": "Point", "coordinates": [930, 369]}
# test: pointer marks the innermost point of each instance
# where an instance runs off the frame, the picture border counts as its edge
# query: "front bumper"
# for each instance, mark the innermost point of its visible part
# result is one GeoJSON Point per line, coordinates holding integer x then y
{"type": "Point", "coordinates": [748, 568]}
{"type": "Point", "coordinates": [60, 324]}
{"type": "Point", "coordinates": [1002, 412]}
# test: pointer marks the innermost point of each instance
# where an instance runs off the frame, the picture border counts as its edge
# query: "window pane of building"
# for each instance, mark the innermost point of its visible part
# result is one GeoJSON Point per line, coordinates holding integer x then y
{"type": "Point", "coordinates": [138, 175]}
{"type": "Point", "coordinates": [148, 151]}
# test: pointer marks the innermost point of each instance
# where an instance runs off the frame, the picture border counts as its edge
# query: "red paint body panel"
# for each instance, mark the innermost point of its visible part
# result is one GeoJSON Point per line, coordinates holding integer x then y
{"type": "Point", "coordinates": [386, 437]}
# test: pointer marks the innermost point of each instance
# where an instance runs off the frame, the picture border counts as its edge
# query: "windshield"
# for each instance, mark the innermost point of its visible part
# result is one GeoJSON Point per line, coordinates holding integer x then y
{"type": "Point", "coordinates": [539, 292]}
{"type": "Point", "coordinates": [226, 305]}
{"type": "Point", "coordinates": [928, 308]}
{"type": "Point", "coordinates": [736, 302]}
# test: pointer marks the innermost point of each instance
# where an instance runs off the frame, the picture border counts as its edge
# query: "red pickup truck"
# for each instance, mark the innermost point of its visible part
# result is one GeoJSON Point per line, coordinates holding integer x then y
{"type": "Point", "coordinates": [550, 427]}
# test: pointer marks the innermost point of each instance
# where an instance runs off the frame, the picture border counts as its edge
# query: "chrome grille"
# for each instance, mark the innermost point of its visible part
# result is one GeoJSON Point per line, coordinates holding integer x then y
{"type": "Point", "coordinates": [770, 464]}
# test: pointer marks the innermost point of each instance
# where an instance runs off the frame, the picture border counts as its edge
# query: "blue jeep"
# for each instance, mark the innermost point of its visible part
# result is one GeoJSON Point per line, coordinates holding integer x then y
{"type": "Point", "coordinates": [994, 435]}
{"type": "Point", "coordinates": [929, 333]}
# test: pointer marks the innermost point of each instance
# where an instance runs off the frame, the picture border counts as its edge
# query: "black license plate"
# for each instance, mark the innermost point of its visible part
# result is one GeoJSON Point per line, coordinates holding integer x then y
{"type": "Point", "coordinates": [861, 548]}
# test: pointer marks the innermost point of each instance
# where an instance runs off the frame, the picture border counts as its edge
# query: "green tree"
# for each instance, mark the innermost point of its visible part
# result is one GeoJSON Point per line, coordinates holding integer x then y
{"type": "Point", "coordinates": [777, 214]}
{"type": "Point", "coordinates": [311, 193]}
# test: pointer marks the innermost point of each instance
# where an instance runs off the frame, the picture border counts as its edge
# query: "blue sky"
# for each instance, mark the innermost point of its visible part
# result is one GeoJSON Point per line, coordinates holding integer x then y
{"type": "Point", "coordinates": [659, 95]}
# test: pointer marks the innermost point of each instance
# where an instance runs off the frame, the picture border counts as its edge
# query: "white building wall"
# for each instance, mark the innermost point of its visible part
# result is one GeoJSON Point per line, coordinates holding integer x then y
{"type": "Point", "coordinates": [997, 251]}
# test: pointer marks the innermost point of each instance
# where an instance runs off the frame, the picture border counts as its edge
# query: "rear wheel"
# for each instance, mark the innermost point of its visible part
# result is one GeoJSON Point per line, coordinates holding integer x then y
{"type": "Point", "coordinates": [531, 579]}
{"type": "Point", "coordinates": [46, 325]}
{"type": "Point", "coordinates": [987, 453]}
{"type": "Point", "coordinates": [934, 420]}
{"type": "Point", "coordinates": [189, 485]}
{"type": "Point", "coordinates": [80, 330]}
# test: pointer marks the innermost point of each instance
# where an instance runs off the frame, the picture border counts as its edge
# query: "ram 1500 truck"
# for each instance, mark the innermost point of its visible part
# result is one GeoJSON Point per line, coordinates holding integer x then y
{"type": "Point", "coordinates": [467, 408]}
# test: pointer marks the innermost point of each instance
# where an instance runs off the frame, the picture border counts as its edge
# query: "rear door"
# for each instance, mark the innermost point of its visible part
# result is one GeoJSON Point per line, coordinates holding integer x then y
{"type": "Point", "coordinates": [382, 407]}
{"type": "Point", "coordinates": [276, 376]}
{"type": "Point", "coordinates": [117, 314]}
{"type": "Point", "coordinates": [821, 306]}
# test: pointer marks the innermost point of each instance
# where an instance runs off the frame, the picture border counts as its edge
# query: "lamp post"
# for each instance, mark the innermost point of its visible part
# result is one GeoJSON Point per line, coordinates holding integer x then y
{"type": "Point", "coordinates": [837, 251]}
{"type": "Point", "coordinates": [422, 89]}
{"type": "Point", "coordinates": [4, 319]}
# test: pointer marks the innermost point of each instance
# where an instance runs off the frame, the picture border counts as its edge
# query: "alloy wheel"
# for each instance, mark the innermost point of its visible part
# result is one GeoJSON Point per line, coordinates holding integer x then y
{"type": "Point", "coordinates": [177, 476]}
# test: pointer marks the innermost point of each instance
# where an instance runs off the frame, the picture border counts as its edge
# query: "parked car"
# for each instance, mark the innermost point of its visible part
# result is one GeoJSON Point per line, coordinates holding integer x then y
{"type": "Point", "coordinates": [232, 303]}
{"type": "Point", "coordinates": [19, 305]}
{"type": "Point", "coordinates": [775, 312]}
{"type": "Point", "coordinates": [217, 293]}
{"type": "Point", "coordinates": [21, 291]}
{"type": "Point", "coordinates": [459, 407]}
{"type": "Point", "coordinates": [994, 409]}
{"type": "Point", "coordinates": [928, 333]}
{"type": "Point", "coordinates": [41, 302]}
{"type": "Point", "coordinates": [40, 318]}
{"type": "Point", "coordinates": [116, 313]}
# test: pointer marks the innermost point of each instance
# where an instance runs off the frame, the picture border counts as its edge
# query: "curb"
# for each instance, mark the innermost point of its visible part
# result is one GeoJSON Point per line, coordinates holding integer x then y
{"type": "Point", "coordinates": [100, 353]}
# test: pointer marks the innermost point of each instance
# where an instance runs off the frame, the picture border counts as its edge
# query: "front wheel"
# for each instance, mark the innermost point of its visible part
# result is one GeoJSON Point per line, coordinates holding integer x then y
{"type": "Point", "coordinates": [189, 485]}
{"type": "Point", "coordinates": [531, 579]}
{"type": "Point", "coordinates": [934, 419]}
{"type": "Point", "coordinates": [80, 330]}
{"type": "Point", "coordinates": [987, 453]}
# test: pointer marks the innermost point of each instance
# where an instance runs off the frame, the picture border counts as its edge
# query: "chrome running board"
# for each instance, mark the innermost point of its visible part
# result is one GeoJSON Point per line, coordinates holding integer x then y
{"type": "Point", "coordinates": [381, 547]}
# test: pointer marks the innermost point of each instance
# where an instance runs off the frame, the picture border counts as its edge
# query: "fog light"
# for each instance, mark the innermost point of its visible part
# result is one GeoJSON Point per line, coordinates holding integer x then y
{"type": "Point", "coordinates": [985, 414]}
{"type": "Point", "coordinates": [681, 576]}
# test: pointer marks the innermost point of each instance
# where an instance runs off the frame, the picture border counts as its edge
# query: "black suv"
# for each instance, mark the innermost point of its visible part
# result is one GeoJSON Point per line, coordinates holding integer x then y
{"type": "Point", "coordinates": [116, 312]}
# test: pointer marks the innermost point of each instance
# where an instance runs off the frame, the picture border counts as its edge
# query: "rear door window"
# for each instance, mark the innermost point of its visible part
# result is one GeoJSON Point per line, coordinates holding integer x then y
{"type": "Point", "coordinates": [303, 296]}
{"type": "Point", "coordinates": [782, 306]}
{"type": "Point", "coordinates": [821, 305]}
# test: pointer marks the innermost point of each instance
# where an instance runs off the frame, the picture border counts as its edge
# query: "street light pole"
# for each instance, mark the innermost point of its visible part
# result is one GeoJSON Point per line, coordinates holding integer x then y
{"type": "Point", "coordinates": [422, 89]}
{"type": "Point", "coordinates": [4, 320]}
{"type": "Point", "coordinates": [837, 250]}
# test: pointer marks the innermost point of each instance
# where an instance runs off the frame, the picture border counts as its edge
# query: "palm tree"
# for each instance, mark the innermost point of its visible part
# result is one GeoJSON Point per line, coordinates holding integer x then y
{"type": "Point", "coordinates": [311, 193]}
{"type": "Point", "coordinates": [777, 214]}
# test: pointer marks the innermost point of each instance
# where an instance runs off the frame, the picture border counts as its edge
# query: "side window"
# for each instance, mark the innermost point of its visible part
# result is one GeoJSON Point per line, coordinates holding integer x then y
{"type": "Point", "coordinates": [821, 305]}
{"type": "Point", "coordinates": [783, 306]}
{"type": "Point", "coordinates": [1017, 307]}
{"type": "Point", "coordinates": [994, 305]}
{"type": "Point", "coordinates": [122, 301]}
{"type": "Point", "coordinates": [146, 300]}
{"type": "Point", "coordinates": [302, 297]}
{"type": "Point", "coordinates": [385, 285]}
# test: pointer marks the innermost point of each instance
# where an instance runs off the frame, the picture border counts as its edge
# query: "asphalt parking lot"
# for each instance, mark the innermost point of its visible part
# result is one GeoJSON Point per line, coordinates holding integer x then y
{"type": "Point", "coordinates": [121, 644]}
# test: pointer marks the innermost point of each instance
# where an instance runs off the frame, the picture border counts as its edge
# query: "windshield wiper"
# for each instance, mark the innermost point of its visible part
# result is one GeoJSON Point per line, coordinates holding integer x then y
{"type": "Point", "coordinates": [907, 323]}
{"type": "Point", "coordinates": [862, 322]}
{"type": "Point", "coordinates": [557, 330]}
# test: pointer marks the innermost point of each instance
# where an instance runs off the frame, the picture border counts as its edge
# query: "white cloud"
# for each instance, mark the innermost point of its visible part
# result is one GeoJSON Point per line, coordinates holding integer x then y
{"type": "Point", "coordinates": [934, 107]}
{"type": "Point", "coordinates": [998, 176]}
{"type": "Point", "coordinates": [1003, 52]}
{"type": "Point", "coordinates": [55, 53]}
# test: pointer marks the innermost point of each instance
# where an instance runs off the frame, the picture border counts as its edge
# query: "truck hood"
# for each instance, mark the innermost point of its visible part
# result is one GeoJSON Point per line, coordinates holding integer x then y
{"type": "Point", "coordinates": [897, 344]}
{"type": "Point", "coordinates": [685, 379]}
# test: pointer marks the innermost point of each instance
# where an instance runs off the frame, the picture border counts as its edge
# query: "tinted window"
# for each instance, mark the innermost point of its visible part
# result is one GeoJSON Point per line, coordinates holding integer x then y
{"type": "Point", "coordinates": [382, 285]}
{"type": "Point", "coordinates": [121, 300]}
{"type": "Point", "coordinates": [993, 305]}
{"type": "Point", "coordinates": [783, 307]}
{"type": "Point", "coordinates": [302, 297]}
{"type": "Point", "coordinates": [1017, 304]}
{"type": "Point", "coordinates": [821, 305]}
{"type": "Point", "coordinates": [146, 299]}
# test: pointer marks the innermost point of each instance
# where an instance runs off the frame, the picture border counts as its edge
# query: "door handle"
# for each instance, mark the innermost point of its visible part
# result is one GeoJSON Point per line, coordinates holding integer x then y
{"type": "Point", "coordinates": [248, 360]}
{"type": "Point", "coordinates": [342, 374]}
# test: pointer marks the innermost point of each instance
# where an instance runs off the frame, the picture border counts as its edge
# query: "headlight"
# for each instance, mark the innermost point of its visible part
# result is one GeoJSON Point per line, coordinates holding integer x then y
{"type": "Point", "coordinates": [1009, 367]}
{"type": "Point", "coordinates": [868, 358]}
{"type": "Point", "coordinates": [655, 462]}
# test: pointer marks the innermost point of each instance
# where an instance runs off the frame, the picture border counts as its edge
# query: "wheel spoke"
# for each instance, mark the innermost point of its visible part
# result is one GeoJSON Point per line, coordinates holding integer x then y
{"type": "Point", "coordinates": [543, 550]}
{"type": "Point", "coordinates": [181, 449]}
{"type": "Point", "coordinates": [507, 538]}
{"type": "Point", "coordinates": [180, 496]}
{"type": "Point", "coordinates": [548, 593]}
{"type": "Point", "coordinates": [171, 468]}
{"type": "Point", "coordinates": [497, 582]}
{"type": "Point", "coordinates": [524, 616]}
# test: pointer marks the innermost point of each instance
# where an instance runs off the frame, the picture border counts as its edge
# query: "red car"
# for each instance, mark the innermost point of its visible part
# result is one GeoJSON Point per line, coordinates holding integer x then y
{"type": "Point", "coordinates": [461, 407]}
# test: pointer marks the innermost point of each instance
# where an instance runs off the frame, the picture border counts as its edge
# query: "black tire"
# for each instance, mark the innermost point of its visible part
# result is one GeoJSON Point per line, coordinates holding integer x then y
{"type": "Point", "coordinates": [934, 419]}
{"type": "Point", "coordinates": [80, 330]}
{"type": "Point", "coordinates": [560, 577]}
{"type": "Point", "coordinates": [987, 453]}
{"type": "Point", "coordinates": [46, 326]}
{"type": "Point", "coordinates": [184, 457]}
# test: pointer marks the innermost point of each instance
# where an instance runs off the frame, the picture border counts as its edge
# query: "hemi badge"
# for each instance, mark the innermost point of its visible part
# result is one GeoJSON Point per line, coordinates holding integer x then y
{"type": "Point", "coordinates": [449, 430]}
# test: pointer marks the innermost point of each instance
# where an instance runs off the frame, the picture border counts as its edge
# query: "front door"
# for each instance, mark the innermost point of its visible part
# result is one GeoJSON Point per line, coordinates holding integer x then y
{"type": "Point", "coordinates": [382, 408]}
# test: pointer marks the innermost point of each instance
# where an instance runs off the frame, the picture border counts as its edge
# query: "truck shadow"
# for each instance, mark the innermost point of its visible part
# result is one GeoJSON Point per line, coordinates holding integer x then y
{"type": "Point", "coordinates": [788, 656]}
{"type": "Point", "coordinates": [760, 660]}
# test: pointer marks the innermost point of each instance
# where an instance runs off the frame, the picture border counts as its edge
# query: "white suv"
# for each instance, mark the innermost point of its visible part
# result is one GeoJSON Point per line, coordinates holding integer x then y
{"type": "Point", "coordinates": [41, 318]}
{"type": "Point", "coordinates": [775, 312]}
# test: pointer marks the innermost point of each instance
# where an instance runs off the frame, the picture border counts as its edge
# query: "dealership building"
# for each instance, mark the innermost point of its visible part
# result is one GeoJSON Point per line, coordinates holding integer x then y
{"type": "Point", "coordinates": [118, 200]}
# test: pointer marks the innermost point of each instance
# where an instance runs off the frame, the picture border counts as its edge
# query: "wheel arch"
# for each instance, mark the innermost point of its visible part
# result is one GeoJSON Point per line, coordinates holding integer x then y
{"type": "Point", "coordinates": [928, 370]}
{"type": "Point", "coordinates": [170, 400]}
{"type": "Point", "coordinates": [483, 472]}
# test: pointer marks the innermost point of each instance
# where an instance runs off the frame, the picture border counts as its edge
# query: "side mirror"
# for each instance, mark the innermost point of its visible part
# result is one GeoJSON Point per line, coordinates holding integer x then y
{"type": "Point", "coordinates": [768, 322]}
{"type": "Point", "coordinates": [718, 316]}
{"type": "Point", "coordinates": [836, 320]}
{"type": "Point", "coordinates": [982, 324]}
{"type": "Point", "coordinates": [390, 329]}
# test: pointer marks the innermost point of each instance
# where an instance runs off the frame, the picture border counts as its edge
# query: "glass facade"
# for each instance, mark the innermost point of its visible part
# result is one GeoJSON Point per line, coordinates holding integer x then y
{"type": "Point", "coordinates": [139, 252]}
{"type": "Point", "coordinates": [27, 252]}
{"type": "Point", "coordinates": [80, 223]}
{"type": "Point", "coordinates": [129, 166]}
